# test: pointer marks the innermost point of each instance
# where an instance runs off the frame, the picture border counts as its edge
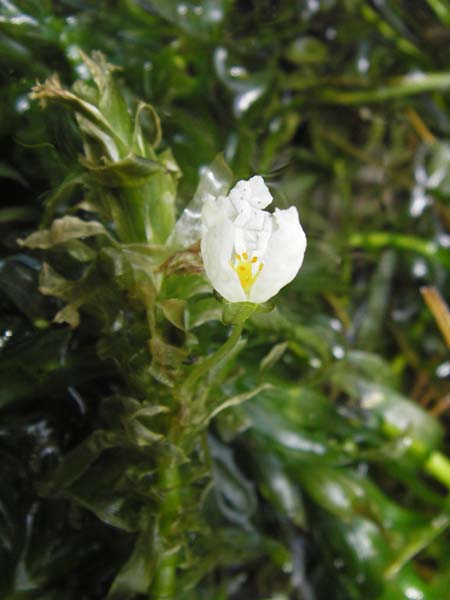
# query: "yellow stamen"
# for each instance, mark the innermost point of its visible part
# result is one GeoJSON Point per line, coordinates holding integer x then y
{"type": "Point", "coordinates": [243, 268]}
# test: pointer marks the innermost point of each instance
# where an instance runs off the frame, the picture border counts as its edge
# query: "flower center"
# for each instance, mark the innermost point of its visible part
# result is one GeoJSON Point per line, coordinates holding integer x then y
{"type": "Point", "coordinates": [247, 270]}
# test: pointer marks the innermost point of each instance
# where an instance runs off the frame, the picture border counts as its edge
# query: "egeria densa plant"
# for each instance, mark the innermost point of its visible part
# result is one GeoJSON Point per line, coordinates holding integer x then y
{"type": "Point", "coordinates": [146, 294]}
{"type": "Point", "coordinates": [137, 274]}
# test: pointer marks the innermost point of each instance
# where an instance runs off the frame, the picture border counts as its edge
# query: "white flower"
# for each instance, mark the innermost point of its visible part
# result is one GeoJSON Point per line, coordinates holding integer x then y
{"type": "Point", "coordinates": [250, 254]}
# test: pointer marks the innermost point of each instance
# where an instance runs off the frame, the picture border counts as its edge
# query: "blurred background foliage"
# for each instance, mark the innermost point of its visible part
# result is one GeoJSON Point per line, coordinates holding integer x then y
{"type": "Point", "coordinates": [326, 476]}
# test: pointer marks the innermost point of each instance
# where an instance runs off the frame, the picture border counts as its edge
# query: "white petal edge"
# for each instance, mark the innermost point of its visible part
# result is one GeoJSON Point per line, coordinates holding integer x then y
{"type": "Point", "coordinates": [254, 191]}
{"type": "Point", "coordinates": [217, 249]}
{"type": "Point", "coordinates": [283, 257]}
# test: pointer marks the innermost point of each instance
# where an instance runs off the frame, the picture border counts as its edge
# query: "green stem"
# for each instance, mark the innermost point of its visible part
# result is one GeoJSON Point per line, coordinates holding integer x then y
{"type": "Point", "coordinates": [164, 585]}
{"type": "Point", "coordinates": [212, 360]}
{"type": "Point", "coordinates": [398, 87]}
{"type": "Point", "coordinates": [438, 465]}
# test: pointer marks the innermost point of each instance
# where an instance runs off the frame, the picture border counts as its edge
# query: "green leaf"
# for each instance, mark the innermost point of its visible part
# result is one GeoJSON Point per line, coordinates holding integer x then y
{"type": "Point", "coordinates": [174, 311]}
{"type": "Point", "coordinates": [140, 434]}
{"type": "Point", "coordinates": [131, 171]}
{"type": "Point", "coordinates": [399, 415]}
{"type": "Point", "coordinates": [80, 459]}
{"type": "Point", "coordinates": [307, 50]}
{"type": "Point", "coordinates": [166, 360]}
{"type": "Point", "coordinates": [62, 230]}
{"type": "Point", "coordinates": [236, 401]}
{"type": "Point", "coordinates": [235, 494]}
{"type": "Point", "coordinates": [137, 573]}
{"type": "Point", "coordinates": [92, 122]}
{"type": "Point", "coordinates": [276, 352]}
{"type": "Point", "coordinates": [8, 172]}
{"type": "Point", "coordinates": [111, 101]}
{"type": "Point", "coordinates": [279, 488]}
{"type": "Point", "coordinates": [203, 310]}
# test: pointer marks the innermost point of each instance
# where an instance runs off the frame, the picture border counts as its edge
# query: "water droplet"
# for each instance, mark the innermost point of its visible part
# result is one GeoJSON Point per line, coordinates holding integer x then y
{"type": "Point", "coordinates": [215, 15]}
{"type": "Point", "coordinates": [363, 469]}
{"type": "Point", "coordinates": [371, 399]}
{"type": "Point", "coordinates": [365, 113]}
{"type": "Point", "coordinates": [39, 429]}
{"type": "Point", "coordinates": [413, 594]}
{"type": "Point", "coordinates": [82, 71]}
{"type": "Point", "coordinates": [22, 104]}
{"type": "Point", "coordinates": [416, 76]}
{"type": "Point", "coordinates": [403, 313]}
{"type": "Point", "coordinates": [419, 201]}
{"type": "Point", "coordinates": [420, 268]}
{"type": "Point", "coordinates": [182, 9]}
{"type": "Point", "coordinates": [198, 10]}
{"type": "Point", "coordinates": [313, 5]}
{"type": "Point", "coordinates": [336, 324]}
{"type": "Point", "coordinates": [243, 101]}
{"type": "Point", "coordinates": [420, 175]}
{"type": "Point", "coordinates": [73, 52]}
{"type": "Point", "coordinates": [315, 363]}
{"type": "Point", "coordinates": [444, 240]}
{"type": "Point", "coordinates": [363, 64]}
{"type": "Point", "coordinates": [443, 370]}
{"type": "Point", "coordinates": [237, 71]}
{"type": "Point", "coordinates": [5, 337]}
{"type": "Point", "coordinates": [275, 124]}
{"type": "Point", "coordinates": [338, 352]}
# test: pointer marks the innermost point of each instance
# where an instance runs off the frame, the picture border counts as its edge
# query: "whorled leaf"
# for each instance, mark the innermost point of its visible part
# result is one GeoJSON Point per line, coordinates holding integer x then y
{"type": "Point", "coordinates": [63, 230]}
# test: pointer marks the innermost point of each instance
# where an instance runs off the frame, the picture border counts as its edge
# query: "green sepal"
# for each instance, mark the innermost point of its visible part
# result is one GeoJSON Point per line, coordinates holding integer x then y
{"type": "Point", "coordinates": [235, 313]}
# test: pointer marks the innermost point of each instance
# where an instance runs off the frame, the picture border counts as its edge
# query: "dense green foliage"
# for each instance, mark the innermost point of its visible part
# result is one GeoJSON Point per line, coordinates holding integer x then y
{"type": "Point", "coordinates": [147, 448]}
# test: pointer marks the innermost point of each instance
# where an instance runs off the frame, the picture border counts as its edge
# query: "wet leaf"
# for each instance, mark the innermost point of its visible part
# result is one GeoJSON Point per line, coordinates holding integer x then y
{"type": "Point", "coordinates": [63, 230]}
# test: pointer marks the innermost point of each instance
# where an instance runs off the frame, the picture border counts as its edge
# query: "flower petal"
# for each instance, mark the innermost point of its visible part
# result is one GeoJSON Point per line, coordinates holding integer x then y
{"type": "Point", "coordinates": [217, 251]}
{"type": "Point", "coordinates": [254, 191]}
{"type": "Point", "coordinates": [260, 196]}
{"type": "Point", "coordinates": [283, 257]}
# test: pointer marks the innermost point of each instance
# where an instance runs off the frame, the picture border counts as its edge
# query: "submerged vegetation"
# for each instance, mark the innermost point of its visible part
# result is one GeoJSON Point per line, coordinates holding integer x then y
{"type": "Point", "coordinates": [156, 442]}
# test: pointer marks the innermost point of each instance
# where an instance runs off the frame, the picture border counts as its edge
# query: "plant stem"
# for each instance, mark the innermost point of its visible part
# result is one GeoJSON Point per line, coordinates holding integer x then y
{"type": "Point", "coordinates": [438, 465]}
{"type": "Point", "coordinates": [164, 585]}
{"type": "Point", "coordinates": [212, 360]}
